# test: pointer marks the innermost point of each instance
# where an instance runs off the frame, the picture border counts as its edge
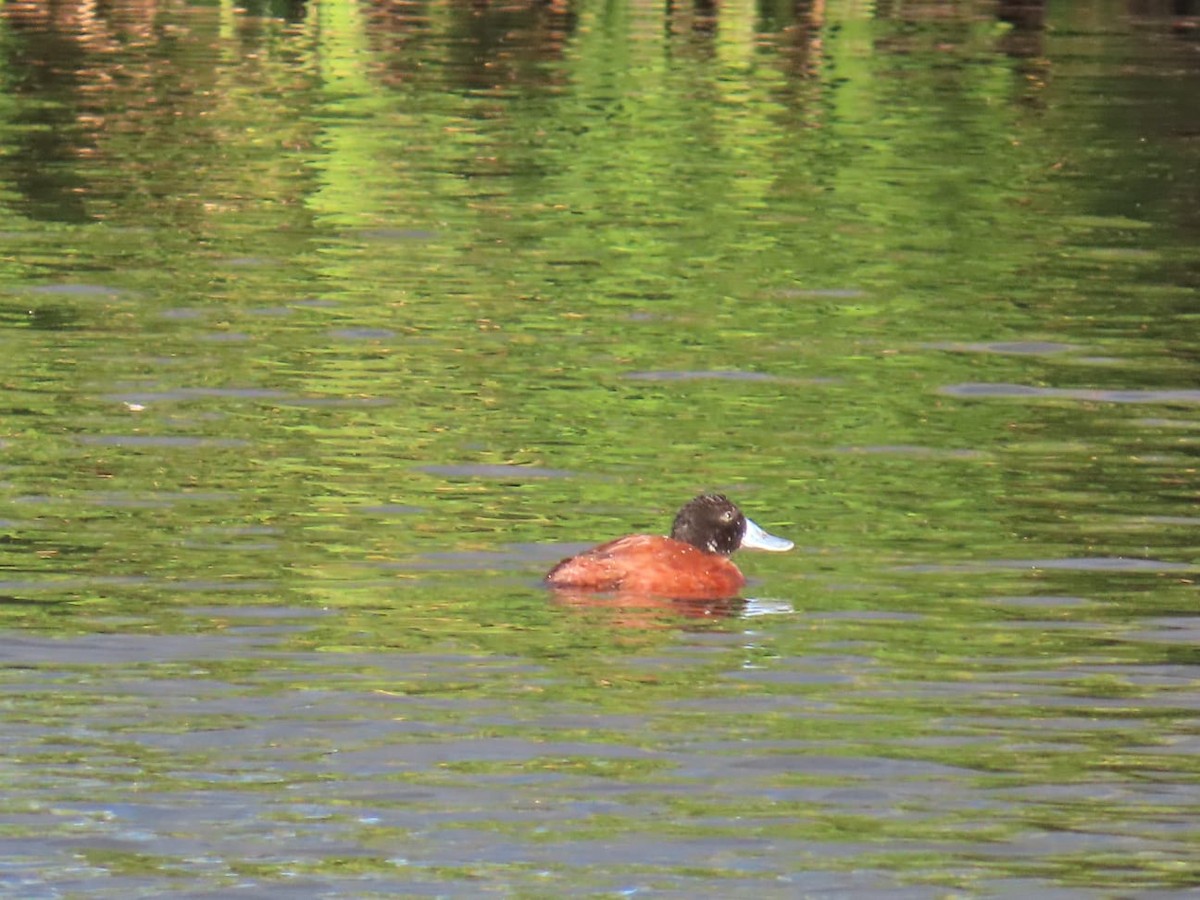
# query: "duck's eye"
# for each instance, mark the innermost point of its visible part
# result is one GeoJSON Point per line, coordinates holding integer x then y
{"type": "Point", "coordinates": [727, 516]}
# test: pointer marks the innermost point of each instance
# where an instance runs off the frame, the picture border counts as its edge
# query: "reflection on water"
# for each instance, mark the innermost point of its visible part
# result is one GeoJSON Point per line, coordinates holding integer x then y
{"type": "Point", "coordinates": [328, 327]}
{"type": "Point", "coordinates": [248, 757]}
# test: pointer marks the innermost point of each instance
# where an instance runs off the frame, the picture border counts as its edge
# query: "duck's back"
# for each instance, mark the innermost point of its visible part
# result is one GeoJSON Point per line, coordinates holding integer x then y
{"type": "Point", "coordinates": [649, 564]}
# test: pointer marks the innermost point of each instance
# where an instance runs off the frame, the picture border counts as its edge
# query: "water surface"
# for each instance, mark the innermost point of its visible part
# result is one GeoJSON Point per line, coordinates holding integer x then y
{"type": "Point", "coordinates": [329, 328]}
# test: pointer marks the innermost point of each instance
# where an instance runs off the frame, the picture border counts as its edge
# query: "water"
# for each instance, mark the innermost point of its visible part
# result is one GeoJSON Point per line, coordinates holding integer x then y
{"type": "Point", "coordinates": [327, 331]}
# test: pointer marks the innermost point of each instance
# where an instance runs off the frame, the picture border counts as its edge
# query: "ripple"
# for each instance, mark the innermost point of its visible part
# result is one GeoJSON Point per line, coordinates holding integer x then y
{"type": "Point", "coordinates": [338, 402]}
{"type": "Point", "coordinates": [494, 470]}
{"type": "Point", "coordinates": [1036, 348]}
{"type": "Point", "coordinates": [1116, 254]}
{"type": "Point", "coordinates": [1039, 601]}
{"type": "Point", "coordinates": [258, 612]}
{"type": "Point", "coordinates": [253, 262]}
{"type": "Point", "coordinates": [766, 606]}
{"type": "Point", "coordinates": [141, 398]}
{"type": "Point", "coordinates": [241, 529]}
{"type": "Point", "coordinates": [821, 293]}
{"type": "Point", "coordinates": [866, 615]}
{"type": "Point", "coordinates": [157, 440]}
{"type": "Point", "coordinates": [396, 234]}
{"type": "Point", "coordinates": [57, 583]}
{"type": "Point", "coordinates": [216, 585]}
{"type": "Point", "coordinates": [363, 334]}
{"type": "Point", "coordinates": [109, 649]}
{"type": "Point", "coordinates": [914, 450]}
{"type": "Point", "coordinates": [1121, 223]}
{"type": "Point", "coordinates": [74, 583]}
{"type": "Point", "coordinates": [155, 499]}
{"type": "Point", "coordinates": [1172, 629]}
{"type": "Point", "coordinates": [982, 389]}
{"type": "Point", "coordinates": [700, 375]}
{"type": "Point", "coordinates": [1152, 422]}
{"type": "Point", "coordinates": [390, 509]}
{"type": "Point", "coordinates": [1081, 564]}
{"type": "Point", "coordinates": [255, 547]}
{"type": "Point", "coordinates": [511, 556]}
{"type": "Point", "coordinates": [73, 290]}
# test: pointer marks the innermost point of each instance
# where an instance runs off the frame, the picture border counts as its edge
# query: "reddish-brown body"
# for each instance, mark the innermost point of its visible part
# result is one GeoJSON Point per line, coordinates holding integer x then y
{"type": "Point", "coordinates": [650, 564]}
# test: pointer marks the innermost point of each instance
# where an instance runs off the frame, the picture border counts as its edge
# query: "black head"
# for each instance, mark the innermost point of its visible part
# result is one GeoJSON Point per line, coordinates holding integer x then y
{"type": "Point", "coordinates": [710, 522]}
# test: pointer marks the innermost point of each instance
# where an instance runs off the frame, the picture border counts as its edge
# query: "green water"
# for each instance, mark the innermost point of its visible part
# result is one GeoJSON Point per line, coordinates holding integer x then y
{"type": "Point", "coordinates": [326, 331]}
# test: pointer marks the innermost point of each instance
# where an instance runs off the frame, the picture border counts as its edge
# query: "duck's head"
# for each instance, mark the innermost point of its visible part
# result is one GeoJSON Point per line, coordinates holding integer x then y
{"type": "Point", "coordinates": [714, 524]}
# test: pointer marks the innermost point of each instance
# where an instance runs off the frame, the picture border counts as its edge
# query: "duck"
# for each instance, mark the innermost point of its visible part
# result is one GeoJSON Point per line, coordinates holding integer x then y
{"type": "Point", "coordinates": [691, 564]}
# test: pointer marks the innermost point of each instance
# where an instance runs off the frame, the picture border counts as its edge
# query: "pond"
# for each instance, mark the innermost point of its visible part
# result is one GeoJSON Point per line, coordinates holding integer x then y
{"type": "Point", "coordinates": [329, 328]}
